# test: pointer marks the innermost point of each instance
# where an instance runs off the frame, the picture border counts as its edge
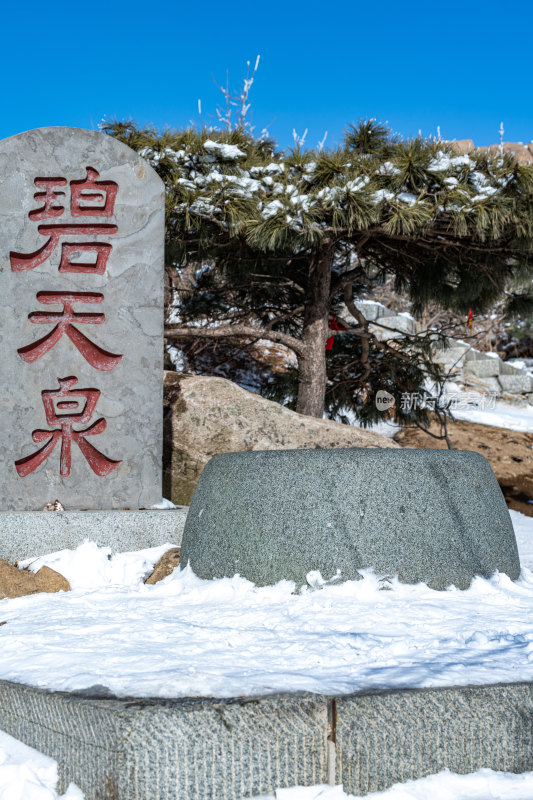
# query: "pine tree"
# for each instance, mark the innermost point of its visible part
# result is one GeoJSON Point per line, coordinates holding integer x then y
{"type": "Point", "coordinates": [280, 243]}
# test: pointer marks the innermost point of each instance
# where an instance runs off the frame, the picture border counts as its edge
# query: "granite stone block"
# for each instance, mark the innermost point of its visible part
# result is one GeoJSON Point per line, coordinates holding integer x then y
{"type": "Point", "coordinates": [482, 368]}
{"type": "Point", "coordinates": [521, 383]}
{"type": "Point", "coordinates": [212, 749]}
{"type": "Point", "coordinates": [37, 533]}
{"type": "Point", "coordinates": [510, 369]}
{"type": "Point", "coordinates": [454, 355]}
{"type": "Point", "coordinates": [427, 515]}
{"type": "Point", "coordinates": [182, 749]}
{"type": "Point", "coordinates": [394, 736]}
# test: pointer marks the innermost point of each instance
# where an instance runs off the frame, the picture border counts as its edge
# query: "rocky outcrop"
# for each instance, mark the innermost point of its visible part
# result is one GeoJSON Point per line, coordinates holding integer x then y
{"type": "Point", "coordinates": [485, 371]}
{"type": "Point", "coordinates": [207, 416]}
{"type": "Point", "coordinates": [509, 453]}
{"type": "Point", "coordinates": [523, 153]}
{"type": "Point", "coordinates": [16, 582]}
{"type": "Point", "coordinates": [165, 566]}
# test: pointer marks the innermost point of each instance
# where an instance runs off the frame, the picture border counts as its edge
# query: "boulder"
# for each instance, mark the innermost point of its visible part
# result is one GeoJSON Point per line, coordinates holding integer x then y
{"type": "Point", "coordinates": [165, 566]}
{"type": "Point", "coordinates": [370, 309]}
{"type": "Point", "coordinates": [16, 582]}
{"type": "Point", "coordinates": [510, 454]}
{"type": "Point", "coordinates": [517, 384]}
{"type": "Point", "coordinates": [424, 515]}
{"type": "Point", "coordinates": [397, 326]}
{"type": "Point", "coordinates": [481, 365]}
{"type": "Point", "coordinates": [207, 416]}
{"type": "Point", "coordinates": [519, 150]}
{"type": "Point", "coordinates": [462, 146]}
{"type": "Point", "coordinates": [451, 356]}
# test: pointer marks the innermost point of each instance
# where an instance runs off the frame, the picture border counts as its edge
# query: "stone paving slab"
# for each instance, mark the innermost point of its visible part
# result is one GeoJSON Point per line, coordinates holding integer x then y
{"type": "Point", "coordinates": [205, 748]}
{"type": "Point", "coordinates": [37, 533]}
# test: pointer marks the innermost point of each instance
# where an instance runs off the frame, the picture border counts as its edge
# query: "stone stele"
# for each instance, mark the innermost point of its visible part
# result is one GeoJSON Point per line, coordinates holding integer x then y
{"type": "Point", "coordinates": [425, 515]}
{"type": "Point", "coordinates": [81, 330]}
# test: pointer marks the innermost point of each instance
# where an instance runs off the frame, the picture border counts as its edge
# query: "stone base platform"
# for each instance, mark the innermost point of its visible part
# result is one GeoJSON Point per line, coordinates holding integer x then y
{"type": "Point", "coordinates": [24, 534]}
{"type": "Point", "coordinates": [207, 749]}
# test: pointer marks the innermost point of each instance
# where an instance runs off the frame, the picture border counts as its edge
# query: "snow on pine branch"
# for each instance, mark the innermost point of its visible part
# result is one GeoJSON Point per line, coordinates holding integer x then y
{"type": "Point", "coordinates": [226, 151]}
{"type": "Point", "coordinates": [305, 190]}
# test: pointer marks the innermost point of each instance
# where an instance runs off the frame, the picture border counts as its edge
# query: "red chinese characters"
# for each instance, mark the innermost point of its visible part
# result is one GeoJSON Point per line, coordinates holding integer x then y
{"type": "Point", "coordinates": [50, 197]}
{"type": "Point", "coordinates": [95, 355]}
{"type": "Point", "coordinates": [63, 408]}
{"type": "Point", "coordinates": [90, 198]}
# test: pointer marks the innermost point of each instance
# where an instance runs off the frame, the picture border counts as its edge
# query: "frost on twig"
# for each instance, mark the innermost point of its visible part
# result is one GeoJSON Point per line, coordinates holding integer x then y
{"type": "Point", "coordinates": [236, 105]}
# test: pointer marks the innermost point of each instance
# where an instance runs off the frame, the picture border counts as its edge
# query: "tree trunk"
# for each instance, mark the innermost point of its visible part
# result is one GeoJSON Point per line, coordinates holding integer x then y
{"type": "Point", "coordinates": [312, 361]}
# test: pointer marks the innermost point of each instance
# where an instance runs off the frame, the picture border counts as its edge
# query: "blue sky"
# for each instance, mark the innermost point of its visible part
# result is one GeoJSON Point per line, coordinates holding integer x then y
{"type": "Point", "coordinates": [463, 66]}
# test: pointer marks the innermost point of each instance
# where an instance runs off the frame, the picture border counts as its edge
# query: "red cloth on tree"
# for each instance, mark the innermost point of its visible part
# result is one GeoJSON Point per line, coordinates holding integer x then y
{"type": "Point", "coordinates": [333, 326]}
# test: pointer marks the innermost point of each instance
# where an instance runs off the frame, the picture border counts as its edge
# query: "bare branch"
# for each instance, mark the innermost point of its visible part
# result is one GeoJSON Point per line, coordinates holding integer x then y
{"type": "Point", "coordinates": [181, 333]}
{"type": "Point", "coordinates": [363, 322]}
{"type": "Point", "coordinates": [289, 314]}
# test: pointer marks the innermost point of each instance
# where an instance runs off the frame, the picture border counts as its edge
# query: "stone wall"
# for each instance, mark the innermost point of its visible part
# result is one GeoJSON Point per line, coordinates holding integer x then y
{"type": "Point", "coordinates": [485, 371]}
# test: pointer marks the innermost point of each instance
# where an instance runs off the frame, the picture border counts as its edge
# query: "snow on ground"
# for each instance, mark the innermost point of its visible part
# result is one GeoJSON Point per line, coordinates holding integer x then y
{"type": "Point", "coordinates": [91, 566]}
{"type": "Point", "coordinates": [487, 412]}
{"type": "Point", "coordinates": [186, 636]}
{"type": "Point", "coordinates": [26, 774]}
{"type": "Point", "coordinates": [482, 785]}
{"type": "Point", "coordinates": [503, 415]}
{"type": "Point", "coordinates": [164, 504]}
{"type": "Point", "coordinates": [227, 637]}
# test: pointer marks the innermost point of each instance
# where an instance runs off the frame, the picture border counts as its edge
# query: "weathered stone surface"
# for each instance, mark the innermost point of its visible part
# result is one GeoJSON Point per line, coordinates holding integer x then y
{"type": "Point", "coordinates": [510, 369]}
{"type": "Point", "coordinates": [165, 566]}
{"type": "Point", "coordinates": [207, 416]}
{"type": "Point", "coordinates": [491, 149]}
{"type": "Point", "coordinates": [390, 737]}
{"type": "Point", "coordinates": [517, 384]}
{"type": "Point", "coordinates": [463, 146]}
{"type": "Point", "coordinates": [182, 749]}
{"type": "Point", "coordinates": [426, 515]}
{"type": "Point", "coordinates": [510, 454]}
{"type": "Point", "coordinates": [520, 152]}
{"type": "Point", "coordinates": [36, 533]}
{"type": "Point", "coordinates": [490, 385]}
{"type": "Point", "coordinates": [513, 379]}
{"type": "Point", "coordinates": [16, 582]}
{"type": "Point", "coordinates": [481, 367]}
{"type": "Point", "coordinates": [396, 326]}
{"type": "Point", "coordinates": [129, 292]}
{"type": "Point", "coordinates": [453, 357]}
{"type": "Point", "coordinates": [208, 749]}
{"type": "Point", "coordinates": [370, 309]}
